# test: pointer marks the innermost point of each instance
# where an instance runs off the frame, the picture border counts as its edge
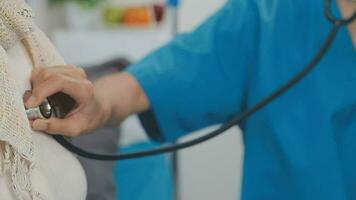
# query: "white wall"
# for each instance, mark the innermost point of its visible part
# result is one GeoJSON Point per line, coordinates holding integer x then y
{"type": "Point", "coordinates": [212, 170]}
{"type": "Point", "coordinates": [47, 18]}
{"type": "Point", "coordinates": [193, 12]}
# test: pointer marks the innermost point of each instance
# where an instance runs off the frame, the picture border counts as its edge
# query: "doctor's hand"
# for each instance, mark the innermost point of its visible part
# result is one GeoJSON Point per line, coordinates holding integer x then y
{"type": "Point", "coordinates": [108, 101]}
{"type": "Point", "coordinates": [72, 81]}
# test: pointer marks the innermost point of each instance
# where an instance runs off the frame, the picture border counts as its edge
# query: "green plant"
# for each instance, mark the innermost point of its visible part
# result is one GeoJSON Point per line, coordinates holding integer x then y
{"type": "Point", "coordinates": [85, 3]}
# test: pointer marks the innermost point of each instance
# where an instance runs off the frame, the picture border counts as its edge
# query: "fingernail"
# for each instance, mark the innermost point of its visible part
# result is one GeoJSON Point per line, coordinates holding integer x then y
{"type": "Point", "coordinates": [30, 102]}
{"type": "Point", "coordinates": [40, 125]}
{"type": "Point", "coordinates": [27, 95]}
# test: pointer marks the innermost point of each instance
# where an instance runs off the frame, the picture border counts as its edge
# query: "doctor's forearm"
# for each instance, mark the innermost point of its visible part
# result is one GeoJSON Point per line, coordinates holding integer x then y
{"type": "Point", "coordinates": [120, 96]}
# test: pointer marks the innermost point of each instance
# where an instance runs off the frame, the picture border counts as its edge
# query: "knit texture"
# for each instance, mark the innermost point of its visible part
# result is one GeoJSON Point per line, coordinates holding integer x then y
{"type": "Point", "coordinates": [16, 142]}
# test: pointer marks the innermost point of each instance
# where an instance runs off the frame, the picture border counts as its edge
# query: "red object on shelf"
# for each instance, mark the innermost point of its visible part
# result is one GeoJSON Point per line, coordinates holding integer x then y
{"type": "Point", "coordinates": [159, 11]}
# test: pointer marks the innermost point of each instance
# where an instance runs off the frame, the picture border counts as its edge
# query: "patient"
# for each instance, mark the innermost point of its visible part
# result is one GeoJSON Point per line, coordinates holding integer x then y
{"type": "Point", "coordinates": [32, 165]}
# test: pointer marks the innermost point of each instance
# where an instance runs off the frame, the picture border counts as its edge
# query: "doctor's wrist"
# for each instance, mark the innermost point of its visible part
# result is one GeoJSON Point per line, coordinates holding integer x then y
{"type": "Point", "coordinates": [119, 96]}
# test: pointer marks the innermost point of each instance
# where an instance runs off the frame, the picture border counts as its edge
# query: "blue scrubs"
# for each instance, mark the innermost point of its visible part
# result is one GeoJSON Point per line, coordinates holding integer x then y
{"type": "Point", "coordinates": [303, 145]}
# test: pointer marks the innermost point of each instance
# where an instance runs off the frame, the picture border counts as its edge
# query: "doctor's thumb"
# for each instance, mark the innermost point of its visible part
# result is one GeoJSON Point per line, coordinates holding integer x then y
{"type": "Point", "coordinates": [70, 127]}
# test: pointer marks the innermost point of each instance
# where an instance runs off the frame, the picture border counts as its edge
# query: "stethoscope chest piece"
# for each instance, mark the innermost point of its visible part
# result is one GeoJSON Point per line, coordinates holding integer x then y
{"type": "Point", "coordinates": [44, 111]}
{"type": "Point", "coordinates": [57, 105]}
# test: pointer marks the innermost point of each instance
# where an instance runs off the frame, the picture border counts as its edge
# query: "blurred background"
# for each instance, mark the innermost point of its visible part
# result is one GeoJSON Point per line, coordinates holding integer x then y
{"type": "Point", "coordinates": [104, 36]}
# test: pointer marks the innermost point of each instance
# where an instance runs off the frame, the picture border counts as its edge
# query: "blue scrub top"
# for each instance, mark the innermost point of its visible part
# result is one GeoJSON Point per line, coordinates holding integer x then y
{"type": "Point", "coordinates": [303, 145]}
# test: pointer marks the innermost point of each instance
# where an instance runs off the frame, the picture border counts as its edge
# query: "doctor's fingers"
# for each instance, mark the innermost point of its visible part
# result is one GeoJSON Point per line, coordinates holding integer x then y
{"type": "Point", "coordinates": [79, 89]}
{"type": "Point", "coordinates": [72, 126]}
{"type": "Point", "coordinates": [43, 73]}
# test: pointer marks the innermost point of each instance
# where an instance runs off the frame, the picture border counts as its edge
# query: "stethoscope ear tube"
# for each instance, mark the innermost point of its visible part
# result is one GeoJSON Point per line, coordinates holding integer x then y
{"type": "Point", "coordinates": [337, 23]}
{"type": "Point", "coordinates": [334, 20]}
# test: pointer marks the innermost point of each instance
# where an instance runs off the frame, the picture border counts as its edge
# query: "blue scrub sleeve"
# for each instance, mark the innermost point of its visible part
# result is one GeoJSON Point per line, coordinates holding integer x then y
{"type": "Point", "coordinates": [200, 79]}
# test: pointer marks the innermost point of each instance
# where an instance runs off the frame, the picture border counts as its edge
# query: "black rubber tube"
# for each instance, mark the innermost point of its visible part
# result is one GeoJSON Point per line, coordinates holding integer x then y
{"type": "Point", "coordinates": [220, 130]}
{"type": "Point", "coordinates": [337, 23]}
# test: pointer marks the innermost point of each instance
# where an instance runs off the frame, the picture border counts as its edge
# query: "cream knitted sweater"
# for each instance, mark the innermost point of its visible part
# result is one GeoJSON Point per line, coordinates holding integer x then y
{"type": "Point", "coordinates": [32, 165]}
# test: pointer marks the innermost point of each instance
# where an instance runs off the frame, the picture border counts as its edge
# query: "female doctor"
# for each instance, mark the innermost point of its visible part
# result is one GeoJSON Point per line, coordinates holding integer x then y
{"type": "Point", "coordinates": [301, 146]}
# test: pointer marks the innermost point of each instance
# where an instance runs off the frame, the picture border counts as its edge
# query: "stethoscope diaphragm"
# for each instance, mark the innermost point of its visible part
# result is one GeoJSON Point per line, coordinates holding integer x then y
{"type": "Point", "coordinates": [43, 111]}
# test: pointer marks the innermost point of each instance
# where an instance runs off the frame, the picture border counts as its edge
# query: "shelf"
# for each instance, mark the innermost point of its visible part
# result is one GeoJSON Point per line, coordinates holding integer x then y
{"type": "Point", "coordinates": [92, 47]}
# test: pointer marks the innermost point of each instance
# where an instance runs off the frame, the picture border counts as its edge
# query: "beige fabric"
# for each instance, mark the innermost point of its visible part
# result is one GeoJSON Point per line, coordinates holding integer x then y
{"type": "Point", "coordinates": [32, 166]}
{"type": "Point", "coordinates": [17, 147]}
{"type": "Point", "coordinates": [57, 174]}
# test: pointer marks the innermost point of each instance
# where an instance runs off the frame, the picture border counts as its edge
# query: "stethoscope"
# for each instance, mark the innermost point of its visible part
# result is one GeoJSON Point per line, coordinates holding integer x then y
{"type": "Point", "coordinates": [60, 104]}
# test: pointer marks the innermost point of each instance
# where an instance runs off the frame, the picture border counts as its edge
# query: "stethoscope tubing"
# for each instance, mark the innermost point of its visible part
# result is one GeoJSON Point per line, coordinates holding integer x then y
{"type": "Point", "coordinates": [334, 20]}
{"type": "Point", "coordinates": [337, 23]}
